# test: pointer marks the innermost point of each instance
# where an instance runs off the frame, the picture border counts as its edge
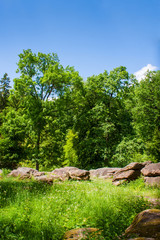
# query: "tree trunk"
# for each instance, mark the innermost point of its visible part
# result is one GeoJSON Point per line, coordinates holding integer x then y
{"type": "Point", "coordinates": [37, 165]}
{"type": "Point", "coordinates": [37, 150]}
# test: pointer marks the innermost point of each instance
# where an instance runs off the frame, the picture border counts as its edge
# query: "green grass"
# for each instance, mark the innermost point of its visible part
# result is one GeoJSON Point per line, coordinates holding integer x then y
{"type": "Point", "coordinates": [36, 211]}
{"type": "Point", "coordinates": [139, 188]}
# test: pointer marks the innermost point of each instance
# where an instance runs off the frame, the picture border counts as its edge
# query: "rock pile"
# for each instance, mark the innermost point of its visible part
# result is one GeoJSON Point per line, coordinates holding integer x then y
{"type": "Point", "coordinates": [150, 171]}
{"type": "Point", "coordinates": [50, 178]}
{"type": "Point", "coordinates": [60, 174]}
{"type": "Point", "coordinates": [103, 173]}
{"type": "Point", "coordinates": [79, 174]}
{"type": "Point", "coordinates": [59, 171]}
{"type": "Point", "coordinates": [151, 174]}
{"type": "Point", "coordinates": [72, 173]}
{"type": "Point", "coordinates": [128, 173]}
{"type": "Point", "coordinates": [23, 172]}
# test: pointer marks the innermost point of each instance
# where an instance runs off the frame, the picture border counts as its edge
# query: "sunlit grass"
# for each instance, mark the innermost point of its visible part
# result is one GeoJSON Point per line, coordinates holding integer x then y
{"type": "Point", "coordinates": [31, 210]}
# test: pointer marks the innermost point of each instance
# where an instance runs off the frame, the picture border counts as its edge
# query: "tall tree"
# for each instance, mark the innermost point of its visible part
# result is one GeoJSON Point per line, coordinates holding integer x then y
{"type": "Point", "coordinates": [12, 138]}
{"type": "Point", "coordinates": [101, 119]}
{"type": "Point", "coordinates": [42, 79]}
{"type": "Point", "coordinates": [146, 112]}
{"type": "Point", "coordinates": [4, 91]}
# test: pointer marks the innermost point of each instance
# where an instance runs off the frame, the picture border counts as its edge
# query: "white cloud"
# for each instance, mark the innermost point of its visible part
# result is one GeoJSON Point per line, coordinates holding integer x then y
{"type": "Point", "coordinates": [142, 72]}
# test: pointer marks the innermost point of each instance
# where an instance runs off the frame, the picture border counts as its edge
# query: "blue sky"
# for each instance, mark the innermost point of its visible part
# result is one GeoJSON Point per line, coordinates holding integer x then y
{"type": "Point", "coordinates": [91, 35]}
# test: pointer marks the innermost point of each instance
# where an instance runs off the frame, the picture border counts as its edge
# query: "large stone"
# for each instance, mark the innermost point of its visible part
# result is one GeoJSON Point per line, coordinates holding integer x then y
{"type": "Point", "coordinates": [44, 178]}
{"type": "Point", "coordinates": [23, 172]}
{"type": "Point", "coordinates": [93, 173]}
{"type": "Point", "coordinates": [119, 182]}
{"type": "Point", "coordinates": [133, 166]}
{"type": "Point", "coordinates": [50, 178]}
{"type": "Point", "coordinates": [152, 181]}
{"type": "Point", "coordinates": [103, 173]}
{"type": "Point", "coordinates": [146, 163]}
{"type": "Point", "coordinates": [145, 224]}
{"type": "Point", "coordinates": [129, 173]}
{"type": "Point", "coordinates": [79, 174]}
{"type": "Point", "coordinates": [62, 171]}
{"type": "Point", "coordinates": [62, 177]}
{"type": "Point", "coordinates": [38, 174]}
{"type": "Point", "coordinates": [82, 233]}
{"type": "Point", "coordinates": [151, 170]}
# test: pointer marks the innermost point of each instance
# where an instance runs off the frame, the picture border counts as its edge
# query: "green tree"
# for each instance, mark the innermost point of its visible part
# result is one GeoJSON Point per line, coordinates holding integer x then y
{"type": "Point", "coordinates": [130, 149]}
{"type": "Point", "coordinates": [12, 138]}
{"type": "Point", "coordinates": [4, 91]}
{"type": "Point", "coordinates": [102, 119]}
{"type": "Point", "coordinates": [71, 158]}
{"type": "Point", "coordinates": [145, 109]}
{"type": "Point", "coordinates": [42, 79]}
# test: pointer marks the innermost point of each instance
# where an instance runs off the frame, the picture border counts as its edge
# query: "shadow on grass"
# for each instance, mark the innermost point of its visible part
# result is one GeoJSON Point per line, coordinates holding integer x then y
{"type": "Point", "coordinates": [8, 231]}
{"type": "Point", "coordinates": [10, 190]}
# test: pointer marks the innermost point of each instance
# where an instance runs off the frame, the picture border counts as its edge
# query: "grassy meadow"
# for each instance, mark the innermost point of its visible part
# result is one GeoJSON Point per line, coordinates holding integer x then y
{"type": "Point", "coordinates": [37, 211]}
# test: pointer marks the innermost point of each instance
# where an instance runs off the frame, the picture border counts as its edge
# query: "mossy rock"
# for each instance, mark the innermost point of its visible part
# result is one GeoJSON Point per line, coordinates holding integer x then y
{"type": "Point", "coordinates": [145, 224]}
{"type": "Point", "coordinates": [83, 233]}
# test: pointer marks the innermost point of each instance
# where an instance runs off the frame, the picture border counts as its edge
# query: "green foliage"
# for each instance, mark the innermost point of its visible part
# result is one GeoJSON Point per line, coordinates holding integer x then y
{"type": "Point", "coordinates": [32, 210]}
{"type": "Point", "coordinates": [4, 91]}
{"type": "Point", "coordinates": [71, 158]}
{"type": "Point", "coordinates": [102, 119]}
{"type": "Point", "coordinates": [146, 112]}
{"type": "Point", "coordinates": [43, 80]}
{"type": "Point", "coordinates": [12, 139]}
{"type": "Point", "coordinates": [52, 117]}
{"type": "Point", "coordinates": [127, 151]}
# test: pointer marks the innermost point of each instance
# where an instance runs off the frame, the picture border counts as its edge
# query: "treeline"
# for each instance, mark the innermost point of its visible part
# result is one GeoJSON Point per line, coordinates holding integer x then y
{"type": "Point", "coordinates": [51, 117]}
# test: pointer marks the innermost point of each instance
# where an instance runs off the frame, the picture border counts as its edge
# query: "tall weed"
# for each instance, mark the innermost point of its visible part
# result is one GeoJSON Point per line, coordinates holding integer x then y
{"type": "Point", "coordinates": [37, 211]}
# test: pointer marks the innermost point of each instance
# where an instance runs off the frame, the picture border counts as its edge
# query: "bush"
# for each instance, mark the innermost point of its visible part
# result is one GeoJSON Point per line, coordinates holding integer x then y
{"type": "Point", "coordinates": [128, 150]}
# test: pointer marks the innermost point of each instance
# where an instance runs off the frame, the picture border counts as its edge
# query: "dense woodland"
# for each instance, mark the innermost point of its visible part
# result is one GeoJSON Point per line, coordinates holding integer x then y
{"type": "Point", "coordinates": [52, 118]}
